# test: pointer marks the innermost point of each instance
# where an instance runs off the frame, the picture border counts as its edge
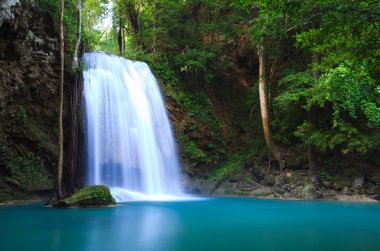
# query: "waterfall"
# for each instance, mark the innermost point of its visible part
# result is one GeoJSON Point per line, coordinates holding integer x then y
{"type": "Point", "coordinates": [129, 139]}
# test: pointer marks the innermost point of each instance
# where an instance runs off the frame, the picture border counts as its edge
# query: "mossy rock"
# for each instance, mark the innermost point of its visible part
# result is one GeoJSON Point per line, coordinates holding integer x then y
{"type": "Point", "coordinates": [309, 192]}
{"type": "Point", "coordinates": [92, 196]}
{"type": "Point", "coordinates": [29, 173]}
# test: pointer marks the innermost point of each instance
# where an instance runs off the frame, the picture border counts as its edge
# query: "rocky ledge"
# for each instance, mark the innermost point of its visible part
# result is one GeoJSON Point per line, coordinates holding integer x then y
{"type": "Point", "coordinates": [294, 184]}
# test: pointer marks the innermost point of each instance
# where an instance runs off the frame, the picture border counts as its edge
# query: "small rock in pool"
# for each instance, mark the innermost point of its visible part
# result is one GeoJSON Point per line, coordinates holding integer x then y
{"type": "Point", "coordinates": [92, 196]}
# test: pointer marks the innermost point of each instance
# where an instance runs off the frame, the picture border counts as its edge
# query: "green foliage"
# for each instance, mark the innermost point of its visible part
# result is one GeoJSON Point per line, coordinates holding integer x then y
{"type": "Point", "coordinates": [347, 138]}
{"type": "Point", "coordinates": [166, 76]}
{"type": "Point", "coordinates": [325, 54]}
{"type": "Point", "coordinates": [194, 152]}
{"type": "Point", "coordinates": [94, 13]}
{"type": "Point", "coordinates": [341, 37]}
{"type": "Point", "coordinates": [290, 107]}
{"type": "Point", "coordinates": [198, 106]}
{"type": "Point", "coordinates": [173, 31]}
{"type": "Point", "coordinates": [351, 91]}
{"type": "Point", "coordinates": [350, 94]}
{"type": "Point", "coordinates": [296, 89]}
{"type": "Point", "coordinates": [70, 20]}
{"type": "Point", "coordinates": [233, 165]}
{"type": "Point", "coordinates": [197, 62]}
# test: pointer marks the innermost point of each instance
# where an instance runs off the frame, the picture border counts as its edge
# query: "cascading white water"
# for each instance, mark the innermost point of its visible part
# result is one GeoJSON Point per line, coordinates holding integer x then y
{"type": "Point", "coordinates": [129, 139]}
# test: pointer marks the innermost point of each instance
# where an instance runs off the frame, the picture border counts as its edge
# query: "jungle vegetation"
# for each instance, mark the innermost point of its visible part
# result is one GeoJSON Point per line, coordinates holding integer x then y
{"type": "Point", "coordinates": [316, 83]}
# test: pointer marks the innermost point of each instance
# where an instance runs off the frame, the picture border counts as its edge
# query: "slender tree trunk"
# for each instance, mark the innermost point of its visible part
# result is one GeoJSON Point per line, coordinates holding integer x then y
{"type": "Point", "coordinates": [311, 114]}
{"type": "Point", "coordinates": [75, 63]}
{"type": "Point", "coordinates": [60, 114]}
{"type": "Point", "coordinates": [274, 150]}
{"type": "Point", "coordinates": [121, 38]}
{"type": "Point", "coordinates": [312, 121]}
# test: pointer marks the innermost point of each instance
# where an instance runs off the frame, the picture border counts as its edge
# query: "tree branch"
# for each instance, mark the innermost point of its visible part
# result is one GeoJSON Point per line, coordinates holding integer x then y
{"type": "Point", "coordinates": [75, 63]}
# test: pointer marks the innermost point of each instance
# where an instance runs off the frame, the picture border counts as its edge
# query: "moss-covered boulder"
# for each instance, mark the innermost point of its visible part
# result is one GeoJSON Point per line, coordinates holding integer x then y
{"type": "Point", "coordinates": [92, 196]}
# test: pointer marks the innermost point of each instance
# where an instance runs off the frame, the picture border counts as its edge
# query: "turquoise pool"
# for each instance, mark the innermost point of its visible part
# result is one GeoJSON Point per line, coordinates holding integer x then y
{"type": "Point", "coordinates": [210, 224]}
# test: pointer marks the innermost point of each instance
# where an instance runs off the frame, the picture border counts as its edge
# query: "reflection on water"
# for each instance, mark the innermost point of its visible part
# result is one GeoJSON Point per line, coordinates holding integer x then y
{"type": "Point", "coordinates": [156, 228]}
{"type": "Point", "coordinates": [219, 224]}
{"type": "Point", "coordinates": [150, 228]}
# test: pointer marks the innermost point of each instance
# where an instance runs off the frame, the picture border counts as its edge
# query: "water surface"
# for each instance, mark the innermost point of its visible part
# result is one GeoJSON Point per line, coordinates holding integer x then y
{"type": "Point", "coordinates": [215, 224]}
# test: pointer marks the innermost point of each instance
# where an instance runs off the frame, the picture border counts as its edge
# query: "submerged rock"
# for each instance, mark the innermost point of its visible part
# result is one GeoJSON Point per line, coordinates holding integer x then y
{"type": "Point", "coordinates": [92, 196]}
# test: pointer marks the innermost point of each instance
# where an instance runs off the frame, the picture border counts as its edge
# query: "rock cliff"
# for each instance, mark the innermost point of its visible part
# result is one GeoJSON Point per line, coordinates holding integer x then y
{"type": "Point", "coordinates": [28, 97]}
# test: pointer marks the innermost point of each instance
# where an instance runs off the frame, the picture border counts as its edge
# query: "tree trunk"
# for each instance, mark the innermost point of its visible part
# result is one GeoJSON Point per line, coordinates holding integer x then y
{"type": "Point", "coordinates": [312, 125]}
{"type": "Point", "coordinates": [311, 114]}
{"type": "Point", "coordinates": [75, 63]}
{"type": "Point", "coordinates": [133, 18]}
{"type": "Point", "coordinates": [121, 38]}
{"type": "Point", "coordinates": [274, 150]}
{"type": "Point", "coordinates": [60, 114]}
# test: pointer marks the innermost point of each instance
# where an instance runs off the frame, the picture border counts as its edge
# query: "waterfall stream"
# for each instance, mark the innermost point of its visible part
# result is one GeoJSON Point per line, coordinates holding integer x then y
{"type": "Point", "coordinates": [129, 139]}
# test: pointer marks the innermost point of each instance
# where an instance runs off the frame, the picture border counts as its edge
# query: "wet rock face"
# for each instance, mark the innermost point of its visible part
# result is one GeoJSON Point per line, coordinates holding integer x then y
{"type": "Point", "coordinates": [28, 97]}
{"type": "Point", "coordinates": [8, 10]}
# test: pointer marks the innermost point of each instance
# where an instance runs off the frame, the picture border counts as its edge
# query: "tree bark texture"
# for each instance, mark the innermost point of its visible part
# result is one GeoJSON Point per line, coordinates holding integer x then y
{"type": "Point", "coordinates": [273, 149]}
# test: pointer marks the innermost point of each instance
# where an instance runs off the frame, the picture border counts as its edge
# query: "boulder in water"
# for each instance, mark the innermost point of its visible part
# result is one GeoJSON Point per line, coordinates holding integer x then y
{"type": "Point", "coordinates": [92, 196]}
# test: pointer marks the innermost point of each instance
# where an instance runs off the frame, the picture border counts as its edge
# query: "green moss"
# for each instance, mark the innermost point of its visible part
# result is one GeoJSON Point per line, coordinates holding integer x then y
{"type": "Point", "coordinates": [28, 172]}
{"type": "Point", "coordinates": [194, 152]}
{"type": "Point", "coordinates": [232, 166]}
{"type": "Point", "coordinates": [92, 196]}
